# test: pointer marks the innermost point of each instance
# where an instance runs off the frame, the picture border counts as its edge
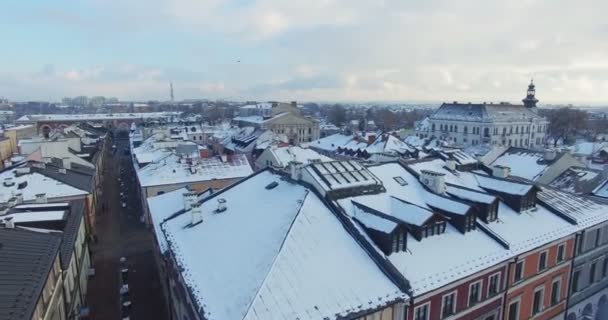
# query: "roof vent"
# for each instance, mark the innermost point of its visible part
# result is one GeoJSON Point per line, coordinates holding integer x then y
{"type": "Point", "coordinates": [62, 170]}
{"type": "Point", "coordinates": [8, 182]}
{"type": "Point", "coordinates": [41, 198]}
{"type": "Point", "coordinates": [221, 205]}
{"type": "Point", "coordinates": [272, 185]}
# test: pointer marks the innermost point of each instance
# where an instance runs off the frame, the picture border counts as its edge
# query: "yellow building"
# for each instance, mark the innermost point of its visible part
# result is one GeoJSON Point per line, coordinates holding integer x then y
{"type": "Point", "coordinates": [5, 152]}
{"type": "Point", "coordinates": [19, 132]}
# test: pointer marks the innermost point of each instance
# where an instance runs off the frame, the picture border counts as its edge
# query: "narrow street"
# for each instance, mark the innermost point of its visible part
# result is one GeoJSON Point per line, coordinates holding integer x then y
{"type": "Point", "coordinates": [121, 234]}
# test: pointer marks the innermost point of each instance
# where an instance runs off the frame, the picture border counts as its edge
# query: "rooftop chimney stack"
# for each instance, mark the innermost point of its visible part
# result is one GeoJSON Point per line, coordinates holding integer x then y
{"type": "Point", "coordinates": [41, 198]}
{"type": "Point", "coordinates": [197, 213]}
{"type": "Point", "coordinates": [451, 165]}
{"type": "Point", "coordinates": [189, 199]}
{"type": "Point", "coordinates": [9, 223]}
{"type": "Point", "coordinates": [550, 155]}
{"type": "Point", "coordinates": [433, 180]}
{"type": "Point", "coordinates": [295, 170]}
{"type": "Point", "coordinates": [501, 171]}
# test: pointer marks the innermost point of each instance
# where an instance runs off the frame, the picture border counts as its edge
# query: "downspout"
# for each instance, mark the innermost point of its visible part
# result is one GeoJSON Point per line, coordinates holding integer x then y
{"type": "Point", "coordinates": [577, 236]}
{"type": "Point", "coordinates": [507, 278]}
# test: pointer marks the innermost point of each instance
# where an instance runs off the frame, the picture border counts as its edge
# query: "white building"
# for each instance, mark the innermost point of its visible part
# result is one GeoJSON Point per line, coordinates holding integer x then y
{"type": "Point", "coordinates": [502, 124]}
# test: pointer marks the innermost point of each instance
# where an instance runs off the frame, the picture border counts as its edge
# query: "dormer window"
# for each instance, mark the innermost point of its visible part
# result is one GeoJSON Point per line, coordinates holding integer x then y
{"type": "Point", "coordinates": [431, 229]}
{"type": "Point", "coordinates": [469, 223]}
{"type": "Point", "coordinates": [398, 242]}
{"type": "Point", "coordinates": [492, 213]}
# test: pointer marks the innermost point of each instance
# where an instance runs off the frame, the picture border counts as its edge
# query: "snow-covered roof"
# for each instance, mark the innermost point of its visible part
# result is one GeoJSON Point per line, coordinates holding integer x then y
{"type": "Point", "coordinates": [523, 163]}
{"type": "Point", "coordinates": [432, 263]}
{"type": "Point", "coordinates": [505, 186]}
{"type": "Point", "coordinates": [588, 148]}
{"type": "Point", "coordinates": [275, 254]}
{"type": "Point", "coordinates": [470, 195]}
{"type": "Point", "coordinates": [29, 184]}
{"type": "Point", "coordinates": [388, 143]}
{"type": "Point", "coordinates": [602, 191]}
{"type": "Point", "coordinates": [164, 206]}
{"type": "Point", "coordinates": [97, 116]}
{"type": "Point", "coordinates": [483, 112]}
{"type": "Point", "coordinates": [170, 170]}
{"type": "Point", "coordinates": [331, 143]}
{"type": "Point", "coordinates": [284, 155]}
{"type": "Point", "coordinates": [261, 105]}
{"type": "Point", "coordinates": [373, 221]}
{"type": "Point", "coordinates": [36, 216]}
{"type": "Point", "coordinates": [464, 179]}
{"type": "Point", "coordinates": [337, 175]}
{"type": "Point", "coordinates": [578, 180]}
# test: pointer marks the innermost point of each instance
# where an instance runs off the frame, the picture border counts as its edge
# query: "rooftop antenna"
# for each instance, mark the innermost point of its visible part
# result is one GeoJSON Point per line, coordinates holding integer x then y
{"type": "Point", "coordinates": [171, 91]}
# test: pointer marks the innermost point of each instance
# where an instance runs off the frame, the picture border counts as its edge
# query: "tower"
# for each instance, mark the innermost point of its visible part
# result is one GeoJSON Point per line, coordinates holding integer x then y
{"type": "Point", "coordinates": [530, 99]}
{"type": "Point", "coordinates": [171, 91]}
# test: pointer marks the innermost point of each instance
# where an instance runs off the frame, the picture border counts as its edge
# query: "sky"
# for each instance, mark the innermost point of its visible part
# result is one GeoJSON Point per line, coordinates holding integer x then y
{"type": "Point", "coordinates": [305, 50]}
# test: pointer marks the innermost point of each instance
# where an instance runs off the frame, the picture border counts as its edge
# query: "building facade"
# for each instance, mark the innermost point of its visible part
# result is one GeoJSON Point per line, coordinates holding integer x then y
{"type": "Point", "coordinates": [502, 124]}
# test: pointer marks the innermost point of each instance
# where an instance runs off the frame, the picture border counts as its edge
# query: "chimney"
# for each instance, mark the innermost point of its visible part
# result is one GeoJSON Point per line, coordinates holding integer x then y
{"type": "Point", "coordinates": [371, 138]}
{"type": "Point", "coordinates": [295, 168]}
{"type": "Point", "coordinates": [224, 158]}
{"type": "Point", "coordinates": [550, 155]}
{"type": "Point", "coordinates": [190, 198]}
{"type": "Point", "coordinates": [433, 180]}
{"type": "Point", "coordinates": [450, 164]}
{"type": "Point", "coordinates": [197, 213]}
{"type": "Point", "coordinates": [9, 223]}
{"type": "Point", "coordinates": [221, 205]}
{"type": "Point", "coordinates": [501, 171]}
{"type": "Point", "coordinates": [41, 198]}
{"type": "Point", "coordinates": [19, 198]}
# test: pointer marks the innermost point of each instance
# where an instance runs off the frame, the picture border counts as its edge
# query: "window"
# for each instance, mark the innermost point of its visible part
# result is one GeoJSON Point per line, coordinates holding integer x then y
{"type": "Point", "coordinates": [474, 293]}
{"type": "Point", "coordinates": [555, 291]}
{"type": "Point", "coordinates": [575, 278]}
{"type": "Point", "coordinates": [470, 222]}
{"type": "Point", "coordinates": [448, 305]}
{"type": "Point", "coordinates": [422, 312]}
{"type": "Point", "coordinates": [514, 310]}
{"type": "Point", "coordinates": [598, 236]}
{"type": "Point", "coordinates": [400, 181]}
{"type": "Point", "coordinates": [519, 271]}
{"type": "Point", "coordinates": [542, 261]}
{"type": "Point", "coordinates": [560, 252]}
{"type": "Point", "coordinates": [605, 267]}
{"type": "Point", "coordinates": [537, 302]}
{"type": "Point", "coordinates": [592, 272]}
{"type": "Point", "coordinates": [398, 242]}
{"type": "Point", "coordinates": [494, 285]}
{"type": "Point", "coordinates": [492, 213]}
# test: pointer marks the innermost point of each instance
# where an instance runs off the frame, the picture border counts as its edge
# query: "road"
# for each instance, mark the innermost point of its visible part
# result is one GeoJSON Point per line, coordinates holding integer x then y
{"type": "Point", "coordinates": [120, 234]}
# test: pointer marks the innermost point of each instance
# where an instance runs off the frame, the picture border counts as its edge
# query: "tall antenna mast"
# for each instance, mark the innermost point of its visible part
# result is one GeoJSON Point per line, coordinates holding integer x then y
{"type": "Point", "coordinates": [171, 89]}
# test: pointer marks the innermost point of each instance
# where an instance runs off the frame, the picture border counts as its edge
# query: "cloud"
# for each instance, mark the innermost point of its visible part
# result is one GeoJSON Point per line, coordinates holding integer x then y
{"type": "Point", "coordinates": [470, 50]}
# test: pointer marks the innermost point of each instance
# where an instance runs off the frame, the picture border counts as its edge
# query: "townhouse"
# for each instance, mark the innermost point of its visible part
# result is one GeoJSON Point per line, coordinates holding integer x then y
{"type": "Point", "coordinates": [458, 239]}
{"type": "Point", "coordinates": [30, 275]}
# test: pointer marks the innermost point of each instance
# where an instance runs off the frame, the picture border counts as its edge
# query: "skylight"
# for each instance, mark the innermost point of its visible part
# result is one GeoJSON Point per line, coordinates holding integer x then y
{"type": "Point", "coordinates": [400, 181]}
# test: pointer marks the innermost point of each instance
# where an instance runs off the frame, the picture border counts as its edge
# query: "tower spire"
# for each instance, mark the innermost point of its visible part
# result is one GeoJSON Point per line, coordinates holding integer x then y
{"type": "Point", "coordinates": [171, 91]}
{"type": "Point", "coordinates": [530, 100]}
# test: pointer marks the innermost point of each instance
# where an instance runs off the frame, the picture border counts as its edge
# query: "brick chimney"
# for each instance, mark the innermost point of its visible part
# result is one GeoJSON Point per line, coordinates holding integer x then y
{"type": "Point", "coordinates": [433, 180]}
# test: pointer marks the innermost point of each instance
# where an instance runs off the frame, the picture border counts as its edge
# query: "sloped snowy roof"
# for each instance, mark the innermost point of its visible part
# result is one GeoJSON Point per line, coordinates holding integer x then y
{"type": "Point", "coordinates": [602, 191]}
{"type": "Point", "coordinates": [483, 112]}
{"type": "Point", "coordinates": [283, 257]}
{"type": "Point", "coordinates": [578, 180]}
{"type": "Point", "coordinates": [97, 116]}
{"type": "Point", "coordinates": [36, 216]}
{"type": "Point", "coordinates": [171, 171]}
{"type": "Point", "coordinates": [523, 163]}
{"type": "Point", "coordinates": [373, 221]}
{"type": "Point", "coordinates": [388, 143]}
{"type": "Point", "coordinates": [471, 195]}
{"type": "Point", "coordinates": [331, 143]}
{"type": "Point", "coordinates": [505, 186]}
{"type": "Point", "coordinates": [284, 155]}
{"type": "Point", "coordinates": [460, 178]}
{"type": "Point", "coordinates": [35, 183]}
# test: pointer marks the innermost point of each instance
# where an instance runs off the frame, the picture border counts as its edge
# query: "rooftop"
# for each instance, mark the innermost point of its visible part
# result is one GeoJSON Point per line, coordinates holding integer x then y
{"type": "Point", "coordinates": [284, 155]}
{"type": "Point", "coordinates": [26, 259]}
{"type": "Point", "coordinates": [172, 170]}
{"type": "Point", "coordinates": [96, 116]}
{"type": "Point", "coordinates": [284, 256]}
{"type": "Point", "coordinates": [483, 112]}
